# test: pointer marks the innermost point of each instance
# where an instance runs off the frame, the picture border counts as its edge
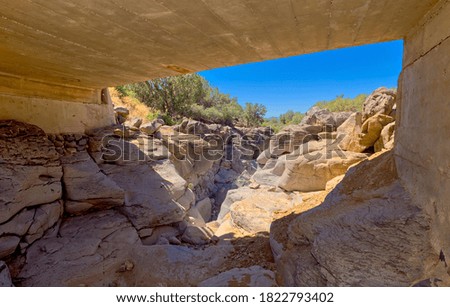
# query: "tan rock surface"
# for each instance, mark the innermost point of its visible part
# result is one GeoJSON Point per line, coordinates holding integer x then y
{"type": "Point", "coordinates": [103, 249]}
{"type": "Point", "coordinates": [30, 170]}
{"type": "Point", "coordinates": [311, 172]}
{"type": "Point", "coordinates": [374, 220]}
{"type": "Point", "coordinates": [254, 276]}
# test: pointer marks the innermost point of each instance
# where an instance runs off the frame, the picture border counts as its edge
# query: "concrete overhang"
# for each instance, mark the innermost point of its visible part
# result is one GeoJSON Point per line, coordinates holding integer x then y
{"type": "Point", "coordinates": [91, 44]}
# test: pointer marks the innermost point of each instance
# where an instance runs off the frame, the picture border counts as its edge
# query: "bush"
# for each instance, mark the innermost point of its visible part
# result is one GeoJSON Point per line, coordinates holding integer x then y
{"type": "Point", "coordinates": [342, 104]}
{"type": "Point", "coordinates": [190, 96]}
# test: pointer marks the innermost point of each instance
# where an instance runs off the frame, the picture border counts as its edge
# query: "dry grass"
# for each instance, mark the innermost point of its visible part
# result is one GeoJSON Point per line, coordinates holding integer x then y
{"type": "Point", "coordinates": [136, 108]}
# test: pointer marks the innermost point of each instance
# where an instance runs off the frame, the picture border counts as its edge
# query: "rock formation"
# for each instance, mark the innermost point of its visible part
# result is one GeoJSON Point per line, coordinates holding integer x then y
{"type": "Point", "coordinates": [145, 204]}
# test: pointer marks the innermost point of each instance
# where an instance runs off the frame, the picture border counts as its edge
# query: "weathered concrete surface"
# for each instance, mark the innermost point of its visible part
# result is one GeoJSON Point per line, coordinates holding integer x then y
{"type": "Point", "coordinates": [422, 147]}
{"type": "Point", "coordinates": [57, 52]}
{"type": "Point", "coordinates": [93, 44]}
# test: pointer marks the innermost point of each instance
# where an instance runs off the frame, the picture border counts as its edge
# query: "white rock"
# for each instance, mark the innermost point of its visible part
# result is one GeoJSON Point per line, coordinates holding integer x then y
{"type": "Point", "coordinates": [5, 277]}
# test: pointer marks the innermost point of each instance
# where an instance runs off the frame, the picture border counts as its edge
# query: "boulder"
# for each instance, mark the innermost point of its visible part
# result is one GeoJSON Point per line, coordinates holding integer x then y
{"type": "Point", "coordinates": [385, 141]}
{"type": "Point", "coordinates": [28, 226]}
{"type": "Point", "coordinates": [358, 137]}
{"type": "Point", "coordinates": [324, 117]}
{"type": "Point", "coordinates": [197, 235]}
{"type": "Point", "coordinates": [349, 131]}
{"type": "Point", "coordinates": [5, 277]}
{"type": "Point", "coordinates": [366, 233]}
{"type": "Point", "coordinates": [311, 172]}
{"type": "Point", "coordinates": [151, 191]}
{"type": "Point", "coordinates": [152, 127]}
{"type": "Point", "coordinates": [30, 171]}
{"type": "Point", "coordinates": [381, 101]}
{"type": "Point", "coordinates": [45, 217]}
{"type": "Point", "coordinates": [371, 129]}
{"type": "Point", "coordinates": [341, 117]}
{"type": "Point", "coordinates": [233, 196]}
{"type": "Point", "coordinates": [204, 207]}
{"type": "Point", "coordinates": [254, 276]}
{"type": "Point", "coordinates": [134, 123]}
{"type": "Point", "coordinates": [291, 137]}
{"type": "Point", "coordinates": [187, 200]}
{"type": "Point", "coordinates": [226, 176]}
{"type": "Point", "coordinates": [8, 245]}
{"type": "Point", "coordinates": [122, 111]}
{"type": "Point", "coordinates": [159, 235]}
{"type": "Point", "coordinates": [319, 117]}
{"type": "Point", "coordinates": [190, 126]}
{"type": "Point", "coordinates": [122, 114]}
{"type": "Point", "coordinates": [88, 186]}
{"type": "Point", "coordinates": [103, 249]}
{"type": "Point", "coordinates": [255, 212]}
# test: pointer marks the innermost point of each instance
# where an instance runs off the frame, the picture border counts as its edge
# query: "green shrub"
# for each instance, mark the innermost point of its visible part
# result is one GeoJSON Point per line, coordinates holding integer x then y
{"type": "Point", "coordinates": [343, 104]}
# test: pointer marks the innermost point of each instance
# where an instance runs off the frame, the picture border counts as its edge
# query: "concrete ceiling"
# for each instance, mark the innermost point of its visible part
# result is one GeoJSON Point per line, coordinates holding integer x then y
{"type": "Point", "coordinates": [98, 43]}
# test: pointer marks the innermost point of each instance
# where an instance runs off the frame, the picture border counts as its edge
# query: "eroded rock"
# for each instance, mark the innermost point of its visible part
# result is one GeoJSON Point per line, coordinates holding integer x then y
{"type": "Point", "coordinates": [5, 277]}
{"type": "Point", "coordinates": [254, 276]}
{"type": "Point", "coordinates": [366, 233]}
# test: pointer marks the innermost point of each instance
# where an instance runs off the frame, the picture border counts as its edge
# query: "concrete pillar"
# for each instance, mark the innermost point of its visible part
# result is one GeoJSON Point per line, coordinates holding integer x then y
{"type": "Point", "coordinates": [423, 134]}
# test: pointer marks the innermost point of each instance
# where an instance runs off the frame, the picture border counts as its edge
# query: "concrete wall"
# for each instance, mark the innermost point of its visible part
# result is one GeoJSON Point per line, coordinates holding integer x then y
{"type": "Point", "coordinates": [54, 108]}
{"type": "Point", "coordinates": [423, 135]}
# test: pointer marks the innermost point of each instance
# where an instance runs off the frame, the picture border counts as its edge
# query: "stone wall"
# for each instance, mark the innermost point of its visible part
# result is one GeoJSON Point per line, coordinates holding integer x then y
{"type": "Point", "coordinates": [422, 144]}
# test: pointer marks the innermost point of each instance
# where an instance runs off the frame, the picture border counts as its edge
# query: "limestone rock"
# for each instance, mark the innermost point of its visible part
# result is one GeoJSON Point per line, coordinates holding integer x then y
{"type": "Point", "coordinates": [204, 207]}
{"type": "Point", "coordinates": [85, 183]}
{"type": "Point", "coordinates": [348, 133]}
{"type": "Point", "coordinates": [311, 172]}
{"type": "Point", "coordinates": [5, 277]}
{"type": "Point", "coordinates": [19, 224]}
{"type": "Point", "coordinates": [386, 136]}
{"type": "Point", "coordinates": [254, 276]}
{"type": "Point", "coordinates": [8, 244]}
{"type": "Point", "coordinates": [122, 111]}
{"type": "Point", "coordinates": [366, 233]}
{"type": "Point", "coordinates": [151, 192]}
{"type": "Point", "coordinates": [291, 137]}
{"type": "Point", "coordinates": [319, 117]}
{"type": "Point", "coordinates": [121, 114]}
{"type": "Point", "coordinates": [233, 196]}
{"type": "Point", "coordinates": [323, 117]}
{"type": "Point", "coordinates": [187, 200]}
{"type": "Point", "coordinates": [190, 126]}
{"type": "Point", "coordinates": [372, 127]}
{"type": "Point", "coordinates": [152, 127]}
{"type": "Point", "coordinates": [226, 176]}
{"type": "Point", "coordinates": [197, 235]}
{"type": "Point", "coordinates": [381, 101]}
{"type": "Point", "coordinates": [103, 249]}
{"type": "Point", "coordinates": [255, 212]}
{"type": "Point", "coordinates": [135, 123]}
{"type": "Point", "coordinates": [30, 170]}
{"type": "Point", "coordinates": [158, 234]}
{"type": "Point", "coordinates": [45, 217]}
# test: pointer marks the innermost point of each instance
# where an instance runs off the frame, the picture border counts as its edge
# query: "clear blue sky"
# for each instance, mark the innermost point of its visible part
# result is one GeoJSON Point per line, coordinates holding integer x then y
{"type": "Point", "coordinates": [296, 83]}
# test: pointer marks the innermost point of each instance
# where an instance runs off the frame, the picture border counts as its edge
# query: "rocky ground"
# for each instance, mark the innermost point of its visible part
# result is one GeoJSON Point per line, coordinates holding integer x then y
{"type": "Point", "coordinates": [145, 204]}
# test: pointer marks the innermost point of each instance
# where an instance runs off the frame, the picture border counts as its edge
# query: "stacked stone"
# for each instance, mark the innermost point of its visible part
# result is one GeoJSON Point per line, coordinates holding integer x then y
{"type": "Point", "coordinates": [69, 144]}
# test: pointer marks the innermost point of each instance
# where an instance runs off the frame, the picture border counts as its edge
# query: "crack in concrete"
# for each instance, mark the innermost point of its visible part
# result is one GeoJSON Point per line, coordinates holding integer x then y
{"type": "Point", "coordinates": [426, 53]}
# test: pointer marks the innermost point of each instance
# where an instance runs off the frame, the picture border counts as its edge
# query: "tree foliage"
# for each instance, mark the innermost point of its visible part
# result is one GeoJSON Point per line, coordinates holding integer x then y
{"type": "Point", "coordinates": [192, 96]}
{"type": "Point", "coordinates": [254, 114]}
{"type": "Point", "coordinates": [285, 119]}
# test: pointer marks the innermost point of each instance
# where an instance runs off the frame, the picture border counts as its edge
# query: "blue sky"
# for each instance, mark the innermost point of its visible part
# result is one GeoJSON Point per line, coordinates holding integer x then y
{"type": "Point", "coordinates": [296, 83]}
